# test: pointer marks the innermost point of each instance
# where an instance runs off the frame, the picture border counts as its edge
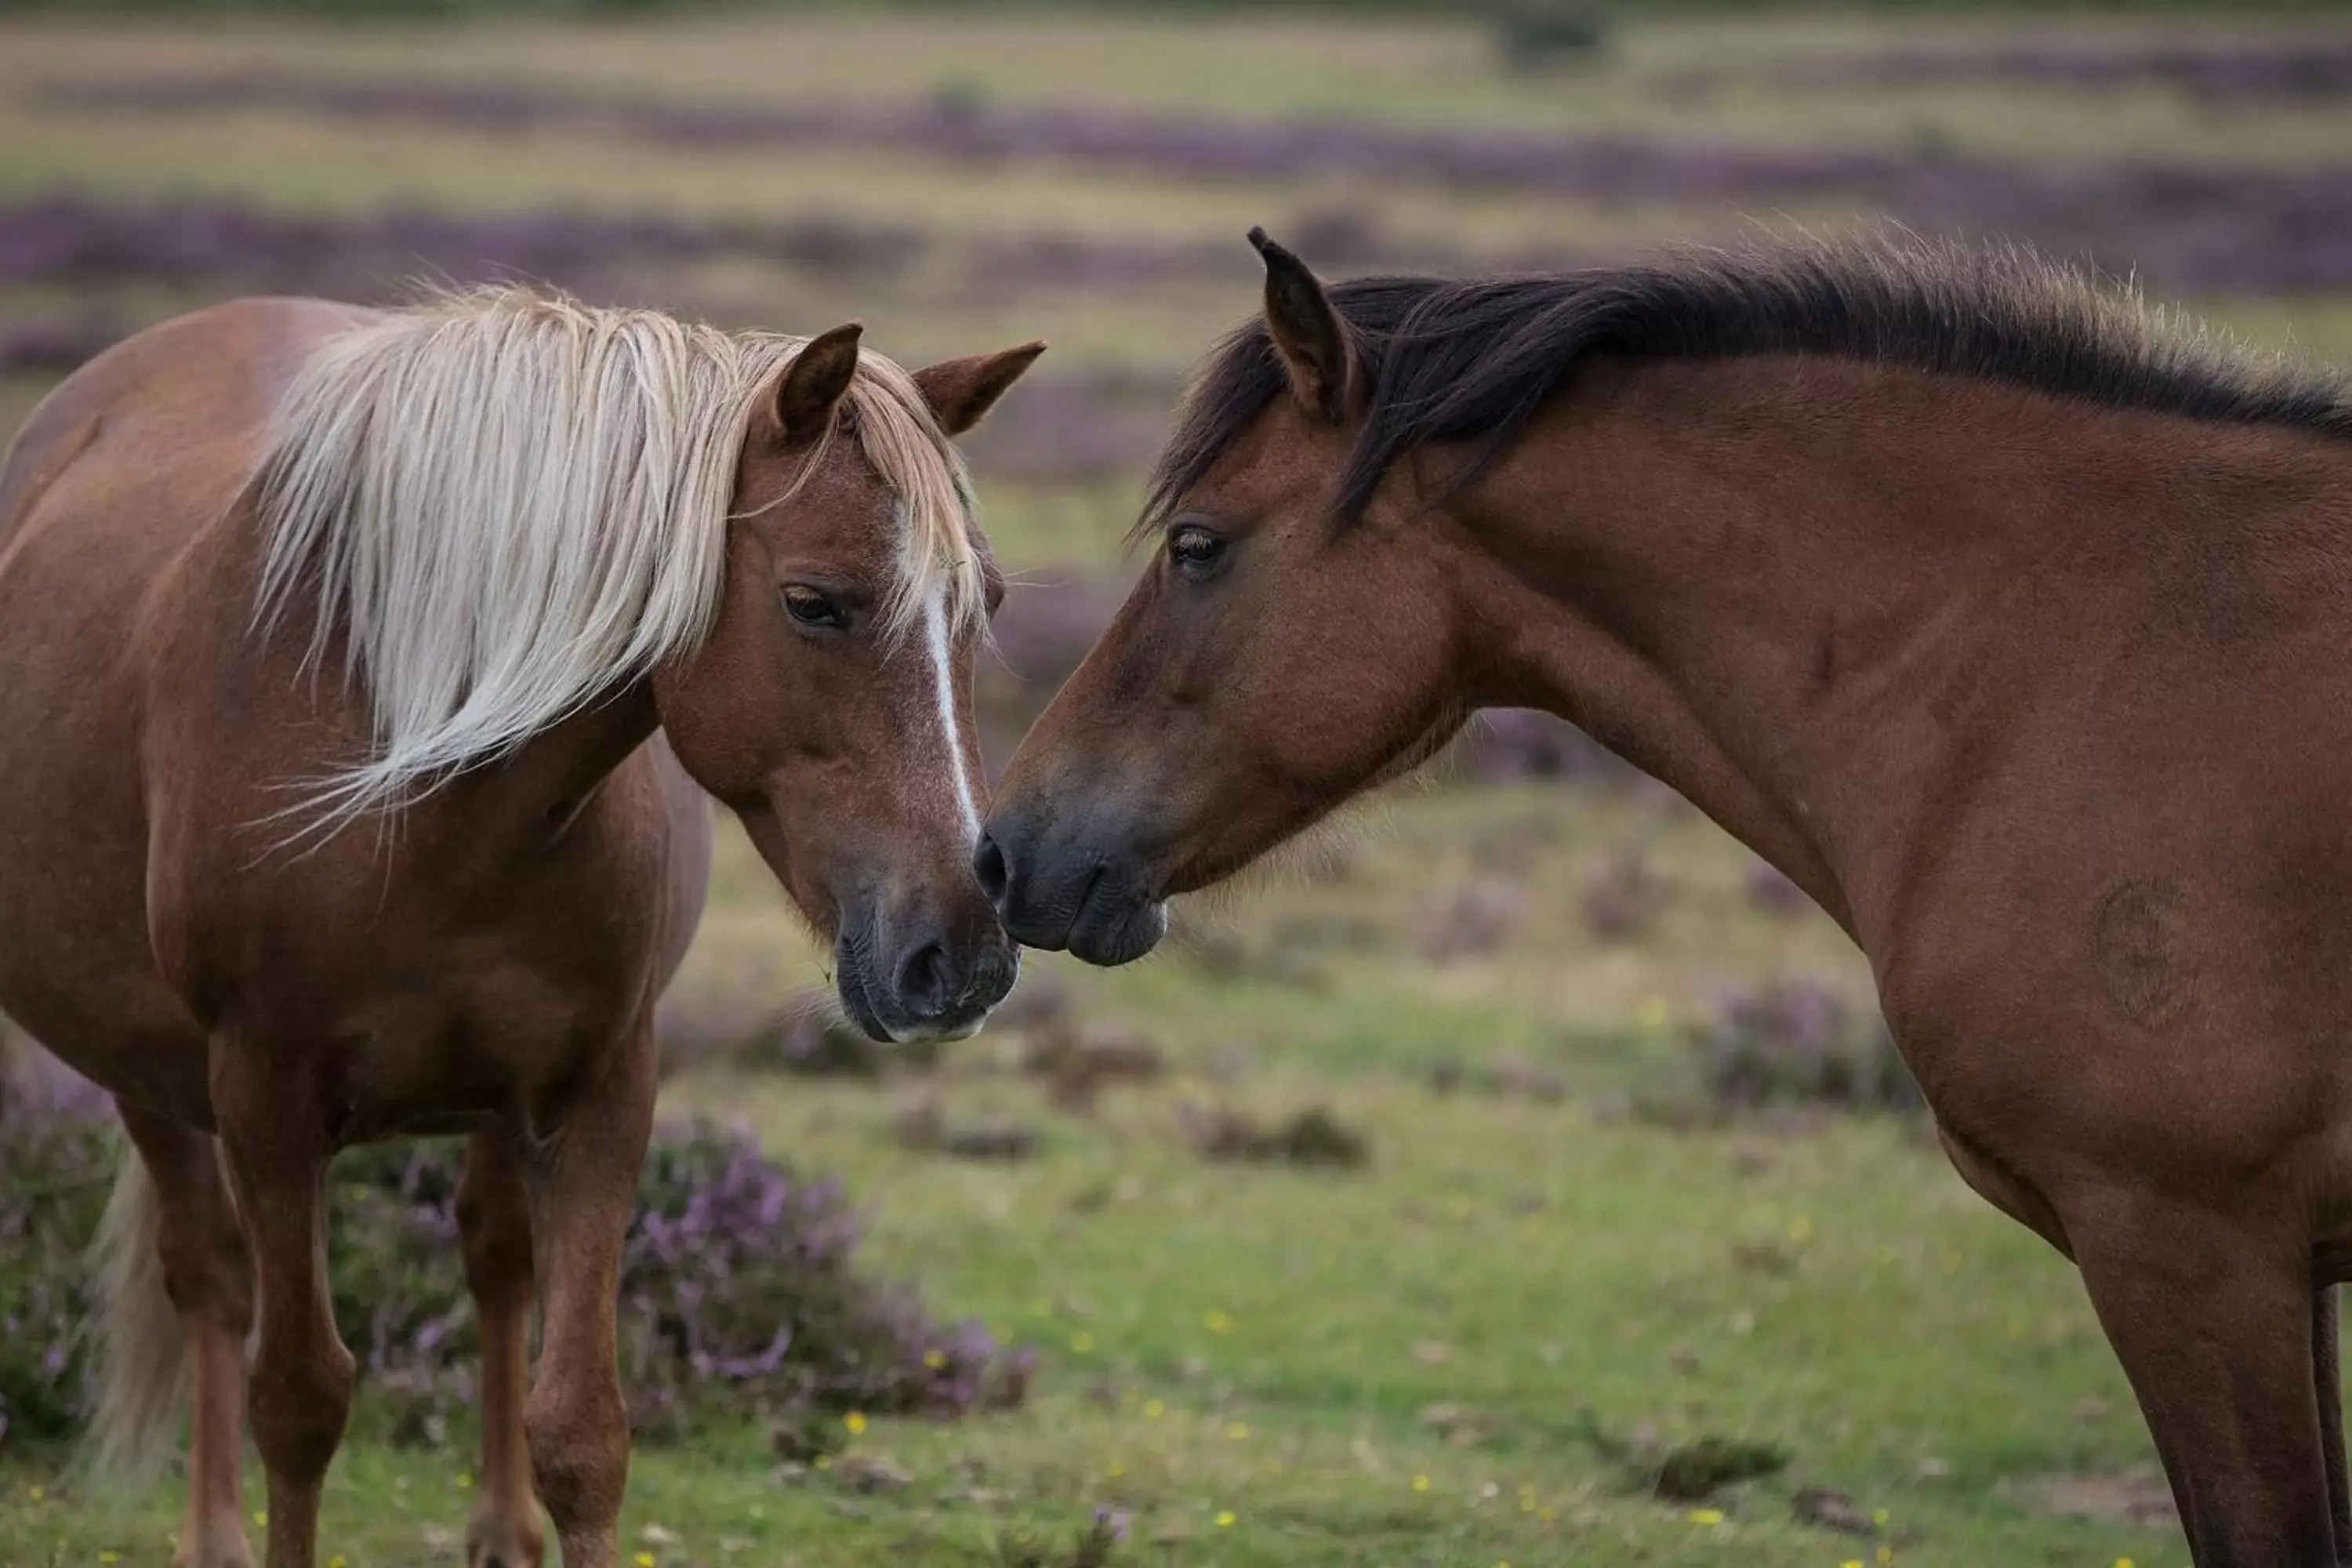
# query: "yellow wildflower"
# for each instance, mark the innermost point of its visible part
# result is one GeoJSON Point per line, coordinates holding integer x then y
{"type": "Point", "coordinates": [935, 1359]}
{"type": "Point", "coordinates": [1153, 1409]}
{"type": "Point", "coordinates": [1218, 1322]}
{"type": "Point", "coordinates": [1710, 1515]}
{"type": "Point", "coordinates": [855, 1421]}
{"type": "Point", "coordinates": [1225, 1520]}
{"type": "Point", "coordinates": [1082, 1343]}
{"type": "Point", "coordinates": [1237, 1431]}
{"type": "Point", "coordinates": [1421, 1483]}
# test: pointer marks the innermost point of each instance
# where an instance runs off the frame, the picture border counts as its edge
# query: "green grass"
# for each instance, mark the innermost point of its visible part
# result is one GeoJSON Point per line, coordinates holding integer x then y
{"type": "Point", "coordinates": [1268, 1344]}
{"type": "Point", "coordinates": [1580, 1279]}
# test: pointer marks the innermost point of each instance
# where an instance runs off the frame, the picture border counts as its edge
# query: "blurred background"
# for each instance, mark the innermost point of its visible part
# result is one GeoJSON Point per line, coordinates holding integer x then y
{"type": "Point", "coordinates": [1521, 1174]}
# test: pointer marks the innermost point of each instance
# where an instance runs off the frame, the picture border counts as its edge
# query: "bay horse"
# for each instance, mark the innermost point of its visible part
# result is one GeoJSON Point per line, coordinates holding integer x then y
{"type": "Point", "coordinates": [367, 671]}
{"type": "Point", "coordinates": [2009, 620]}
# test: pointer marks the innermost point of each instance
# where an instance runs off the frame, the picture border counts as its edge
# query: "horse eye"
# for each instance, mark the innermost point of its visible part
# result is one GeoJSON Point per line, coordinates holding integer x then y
{"type": "Point", "coordinates": [1195, 548]}
{"type": "Point", "coordinates": [810, 607]}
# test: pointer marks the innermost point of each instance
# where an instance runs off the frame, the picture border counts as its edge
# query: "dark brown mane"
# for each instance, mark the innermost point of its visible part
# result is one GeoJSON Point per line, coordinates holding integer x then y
{"type": "Point", "coordinates": [1471, 359]}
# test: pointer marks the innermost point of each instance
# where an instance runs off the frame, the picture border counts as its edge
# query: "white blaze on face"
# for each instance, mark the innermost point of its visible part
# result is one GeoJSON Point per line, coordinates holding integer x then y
{"type": "Point", "coordinates": [935, 634]}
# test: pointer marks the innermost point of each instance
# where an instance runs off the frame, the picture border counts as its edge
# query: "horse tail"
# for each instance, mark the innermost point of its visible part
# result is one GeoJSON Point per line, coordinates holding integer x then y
{"type": "Point", "coordinates": [142, 1347]}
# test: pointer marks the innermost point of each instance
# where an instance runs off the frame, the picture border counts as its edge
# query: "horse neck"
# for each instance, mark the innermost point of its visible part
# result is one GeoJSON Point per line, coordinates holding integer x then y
{"type": "Point", "coordinates": [1811, 594]}
{"type": "Point", "coordinates": [478, 817]}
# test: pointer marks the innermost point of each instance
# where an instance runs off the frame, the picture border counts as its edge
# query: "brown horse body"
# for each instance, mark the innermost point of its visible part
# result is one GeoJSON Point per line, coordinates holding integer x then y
{"type": "Point", "coordinates": [2038, 678]}
{"type": "Point", "coordinates": [486, 956]}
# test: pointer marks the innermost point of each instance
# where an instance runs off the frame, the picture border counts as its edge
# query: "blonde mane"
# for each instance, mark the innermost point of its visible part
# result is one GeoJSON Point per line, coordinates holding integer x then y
{"type": "Point", "coordinates": [508, 502]}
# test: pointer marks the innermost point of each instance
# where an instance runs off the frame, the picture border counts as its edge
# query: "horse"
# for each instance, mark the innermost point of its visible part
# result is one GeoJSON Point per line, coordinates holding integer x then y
{"type": "Point", "coordinates": [2011, 620]}
{"type": "Point", "coordinates": [369, 673]}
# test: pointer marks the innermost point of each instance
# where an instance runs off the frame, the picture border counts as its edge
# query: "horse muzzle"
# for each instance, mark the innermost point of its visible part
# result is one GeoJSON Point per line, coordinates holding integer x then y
{"type": "Point", "coordinates": [1069, 892]}
{"type": "Point", "coordinates": [925, 986]}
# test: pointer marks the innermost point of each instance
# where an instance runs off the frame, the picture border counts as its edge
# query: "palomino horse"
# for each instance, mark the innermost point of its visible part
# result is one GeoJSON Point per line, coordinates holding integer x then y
{"type": "Point", "coordinates": [2013, 625]}
{"type": "Point", "coordinates": [340, 648]}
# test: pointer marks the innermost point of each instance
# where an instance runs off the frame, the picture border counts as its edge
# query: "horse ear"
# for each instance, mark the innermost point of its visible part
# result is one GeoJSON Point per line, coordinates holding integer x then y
{"type": "Point", "coordinates": [1316, 353]}
{"type": "Point", "coordinates": [962, 391]}
{"type": "Point", "coordinates": [813, 383]}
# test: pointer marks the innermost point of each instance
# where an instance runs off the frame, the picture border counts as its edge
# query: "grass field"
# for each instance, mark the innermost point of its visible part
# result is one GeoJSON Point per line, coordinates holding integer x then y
{"type": "Point", "coordinates": [1473, 1350]}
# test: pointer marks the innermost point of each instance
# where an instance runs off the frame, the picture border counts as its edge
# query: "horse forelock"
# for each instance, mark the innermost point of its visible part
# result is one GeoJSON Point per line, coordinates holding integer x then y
{"type": "Point", "coordinates": [505, 502]}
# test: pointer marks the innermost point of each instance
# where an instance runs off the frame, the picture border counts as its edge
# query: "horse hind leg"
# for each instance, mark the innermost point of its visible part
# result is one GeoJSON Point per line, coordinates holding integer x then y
{"type": "Point", "coordinates": [178, 1293]}
{"type": "Point", "coordinates": [2326, 1353]}
{"type": "Point", "coordinates": [494, 1228]}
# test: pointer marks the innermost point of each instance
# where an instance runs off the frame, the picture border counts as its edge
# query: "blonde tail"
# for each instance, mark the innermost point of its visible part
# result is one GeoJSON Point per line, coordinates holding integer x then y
{"type": "Point", "coordinates": [142, 1347]}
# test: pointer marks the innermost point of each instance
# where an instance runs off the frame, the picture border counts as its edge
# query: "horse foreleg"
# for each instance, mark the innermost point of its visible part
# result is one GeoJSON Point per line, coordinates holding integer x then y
{"type": "Point", "coordinates": [208, 1280]}
{"type": "Point", "coordinates": [2212, 1319]}
{"type": "Point", "coordinates": [301, 1382]}
{"type": "Point", "coordinates": [581, 1170]}
{"type": "Point", "coordinates": [494, 1225]}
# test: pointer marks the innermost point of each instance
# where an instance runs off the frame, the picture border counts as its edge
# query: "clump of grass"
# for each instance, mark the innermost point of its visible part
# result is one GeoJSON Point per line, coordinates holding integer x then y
{"type": "Point", "coordinates": [1697, 1470]}
{"type": "Point", "coordinates": [1092, 1549]}
{"type": "Point", "coordinates": [1792, 1043]}
{"type": "Point", "coordinates": [922, 1125]}
{"type": "Point", "coordinates": [1078, 1064]}
{"type": "Point", "coordinates": [1314, 1136]}
{"type": "Point", "coordinates": [1507, 1076]}
{"type": "Point", "coordinates": [1623, 899]}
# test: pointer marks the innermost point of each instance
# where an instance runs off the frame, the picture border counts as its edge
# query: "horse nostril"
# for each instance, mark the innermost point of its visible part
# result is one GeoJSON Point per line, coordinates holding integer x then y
{"type": "Point", "coordinates": [988, 864]}
{"type": "Point", "coordinates": [924, 984]}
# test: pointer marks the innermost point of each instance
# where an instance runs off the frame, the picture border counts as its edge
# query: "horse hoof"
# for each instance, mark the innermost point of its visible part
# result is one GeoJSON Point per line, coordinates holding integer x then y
{"type": "Point", "coordinates": [496, 1543]}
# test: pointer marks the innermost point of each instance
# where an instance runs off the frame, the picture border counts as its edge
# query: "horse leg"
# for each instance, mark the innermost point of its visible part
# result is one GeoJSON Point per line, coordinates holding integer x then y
{"type": "Point", "coordinates": [581, 1171]}
{"type": "Point", "coordinates": [494, 1226]}
{"type": "Point", "coordinates": [2329, 1382]}
{"type": "Point", "coordinates": [301, 1382]}
{"type": "Point", "coordinates": [209, 1281]}
{"type": "Point", "coordinates": [2212, 1321]}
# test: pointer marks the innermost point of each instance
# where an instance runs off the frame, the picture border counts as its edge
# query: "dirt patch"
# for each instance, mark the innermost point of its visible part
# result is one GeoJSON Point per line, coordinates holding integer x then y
{"type": "Point", "coordinates": [1312, 1137]}
{"type": "Point", "coordinates": [2134, 1496]}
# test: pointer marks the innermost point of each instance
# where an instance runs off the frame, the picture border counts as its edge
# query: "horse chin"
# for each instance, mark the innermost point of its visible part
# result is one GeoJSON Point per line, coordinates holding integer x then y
{"type": "Point", "coordinates": [939, 1034]}
{"type": "Point", "coordinates": [1109, 936]}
